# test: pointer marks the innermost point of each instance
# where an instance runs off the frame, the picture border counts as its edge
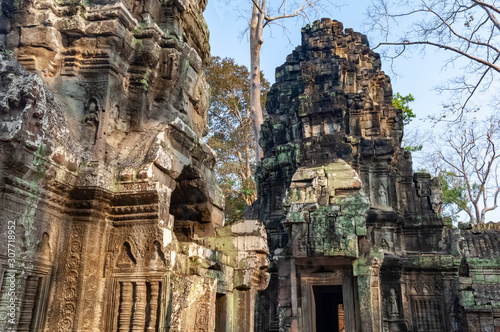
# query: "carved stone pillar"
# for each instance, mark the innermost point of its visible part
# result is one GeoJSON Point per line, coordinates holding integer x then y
{"type": "Point", "coordinates": [369, 296]}
{"type": "Point", "coordinates": [193, 304]}
{"type": "Point", "coordinates": [153, 305]}
{"type": "Point", "coordinates": [365, 301]}
{"type": "Point", "coordinates": [116, 310]}
{"type": "Point", "coordinates": [29, 303]}
{"type": "Point", "coordinates": [375, 296]}
{"type": "Point", "coordinates": [126, 305]}
{"type": "Point", "coordinates": [139, 307]}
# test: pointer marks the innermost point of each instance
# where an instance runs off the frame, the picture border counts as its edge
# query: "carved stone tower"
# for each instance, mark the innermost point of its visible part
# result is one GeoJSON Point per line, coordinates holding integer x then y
{"type": "Point", "coordinates": [110, 215]}
{"type": "Point", "coordinates": [356, 238]}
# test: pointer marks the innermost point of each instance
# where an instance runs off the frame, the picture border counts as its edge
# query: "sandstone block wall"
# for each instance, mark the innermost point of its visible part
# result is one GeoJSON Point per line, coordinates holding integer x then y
{"type": "Point", "coordinates": [109, 204]}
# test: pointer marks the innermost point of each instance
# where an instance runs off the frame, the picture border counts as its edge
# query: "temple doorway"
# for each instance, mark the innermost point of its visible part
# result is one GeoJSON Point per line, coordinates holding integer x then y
{"type": "Point", "coordinates": [329, 306]}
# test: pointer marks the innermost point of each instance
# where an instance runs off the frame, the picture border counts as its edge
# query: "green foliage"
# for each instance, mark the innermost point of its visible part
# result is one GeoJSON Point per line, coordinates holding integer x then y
{"type": "Point", "coordinates": [413, 148]}
{"type": "Point", "coordinates": [84, 5]}
{"type": "Point", "coordinates": [138, 46]}
{"type": "Point", "coordinates": [402, 103]}
{"type": "Point", "coordinates": [145, 80]}
{"type": "Point", "coordinates": [231, 134]}
{"type": "Point", "coordinates": [454, 193]}
{"type": "Point", "coordinates": [248, 191]}
{"type": "Point", "coordinates": [138, 30]}
{"type": "Point", "coordinates": [234, 208]}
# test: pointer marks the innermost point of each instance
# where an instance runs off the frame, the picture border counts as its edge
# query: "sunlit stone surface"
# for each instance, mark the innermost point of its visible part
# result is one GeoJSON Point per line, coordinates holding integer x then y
{"type": "Point", "coordinates": [111, 218]}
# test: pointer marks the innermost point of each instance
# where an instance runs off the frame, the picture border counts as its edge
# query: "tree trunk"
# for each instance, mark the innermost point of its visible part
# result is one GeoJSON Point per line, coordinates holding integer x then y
{"type": "Point", "coordinates": [478, 214]}
{"type": "Point", "coordinates": [248, 170]}
{"type": "Point", "coordinates": [256, 26]}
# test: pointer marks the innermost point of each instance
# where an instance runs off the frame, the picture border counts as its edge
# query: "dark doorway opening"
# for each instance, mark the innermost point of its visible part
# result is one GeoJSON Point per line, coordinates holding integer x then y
{"type": "Point", "coordinates": [329, 308]}
{"type": "Point", "coordinates": [220, 313]}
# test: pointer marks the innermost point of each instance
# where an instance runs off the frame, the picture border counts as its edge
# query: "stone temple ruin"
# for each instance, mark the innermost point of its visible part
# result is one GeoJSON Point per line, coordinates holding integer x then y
{"type": "Point", "coordinates": [111, 219]}
{"type": "Point", "coordinates": [356, 239]}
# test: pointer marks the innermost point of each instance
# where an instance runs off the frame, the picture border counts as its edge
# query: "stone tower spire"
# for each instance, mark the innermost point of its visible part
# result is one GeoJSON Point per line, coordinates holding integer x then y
{"type": "Point", "coordinates": [343, 210]}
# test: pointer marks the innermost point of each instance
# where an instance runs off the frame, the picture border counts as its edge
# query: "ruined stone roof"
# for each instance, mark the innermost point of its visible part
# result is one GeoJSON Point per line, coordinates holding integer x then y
{"type": "Point", "coordinates": [481, 241]}
{"type": "Point", "coordinates": [331, 97]}
{"type": "Point", "coordinates": [486, 294]}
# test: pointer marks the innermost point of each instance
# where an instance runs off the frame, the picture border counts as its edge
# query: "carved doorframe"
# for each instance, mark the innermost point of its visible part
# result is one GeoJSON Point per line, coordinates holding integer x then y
{"type": "Point", "coordinates": [342, 278]}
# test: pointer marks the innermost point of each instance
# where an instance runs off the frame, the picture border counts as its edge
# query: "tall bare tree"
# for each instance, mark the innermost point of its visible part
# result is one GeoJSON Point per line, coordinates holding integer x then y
{"type": "Point", "coordinates": [467, 29]}
{"type": "Point", "coordinates": [265, 13]}
{"type": "Point", "coordinates": [469, 159]}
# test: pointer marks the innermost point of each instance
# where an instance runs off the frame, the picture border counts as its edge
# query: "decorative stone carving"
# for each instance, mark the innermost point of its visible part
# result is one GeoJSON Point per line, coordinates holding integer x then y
{"type": "Point", "coordinates": [436, 195]}
{"type": "Point", "coordinates": [44, 251]}
{"type": "Point", "coordinates": [106, 176]}
{"type": "Point", "coordinates": [125, 257]}
{"type": "Point", "coordinates": [121, 228]}
{"type": "Point", "coordinates": [70, 285]}
{"type": "Point", "coordinates": [155, 258]}
{"type": "Point", "coordinates": [394, 303]}
{"type": "Point", "coordinates": [382, 192]}
{"type": "Point", "coordinates": [91, 120]}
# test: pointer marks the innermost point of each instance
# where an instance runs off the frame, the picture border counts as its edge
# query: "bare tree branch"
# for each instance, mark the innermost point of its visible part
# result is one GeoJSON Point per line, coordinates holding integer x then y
{"type": "Point", "coordinates": [446, 47]}
{"type": "Point", "coordinates": [466, 29]}
{"type": "Point", "coordinates": [470, 155]}
{"type": "Point", "coordinates": [487, 5]}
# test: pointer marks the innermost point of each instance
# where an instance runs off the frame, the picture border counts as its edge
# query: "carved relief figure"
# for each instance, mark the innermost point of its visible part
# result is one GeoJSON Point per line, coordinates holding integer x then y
{"type": "Point", "coordinates": [125, 258]}
{"type": "Point", "coordinates": [307, 129]}
{"type": "Point", "coordinates": [382, 194]}
{"type": "Point", "coordinates": [44, 248]}
{"type": "Point", "coordinates": [436, 195]}
{"type": "Point", "coordinates": [155, 260]}
{"type": "Point", "coordinates": [394, 303]}
{"type": "Point", "coordinates": [384, 244]}
{"type": "Point", "coordinates": [404, 202]}
{"type": "Point", "coordinates": [91, 120]}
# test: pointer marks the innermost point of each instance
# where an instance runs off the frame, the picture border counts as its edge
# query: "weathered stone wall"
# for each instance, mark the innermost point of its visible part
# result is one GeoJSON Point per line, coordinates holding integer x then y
{"type": "Point", "coordinates": [110, 211]}
{"type": "Point", "coordinates": [479, 280]}
{"type": "Point", "coordinates": [344, 212]}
